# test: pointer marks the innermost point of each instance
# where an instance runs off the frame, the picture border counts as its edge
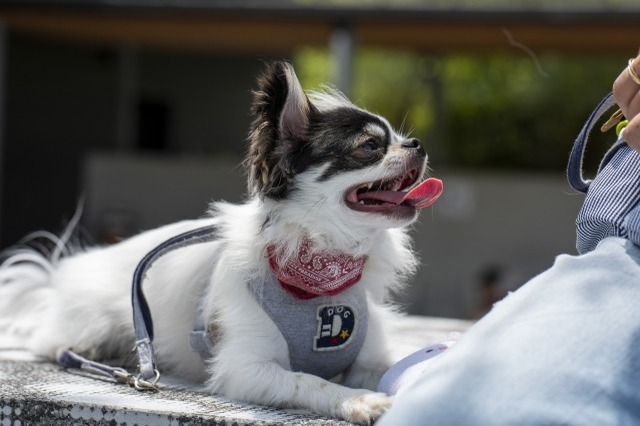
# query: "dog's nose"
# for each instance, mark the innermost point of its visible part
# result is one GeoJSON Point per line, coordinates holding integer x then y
{"type": "Point", "coordinates": [411, 143]}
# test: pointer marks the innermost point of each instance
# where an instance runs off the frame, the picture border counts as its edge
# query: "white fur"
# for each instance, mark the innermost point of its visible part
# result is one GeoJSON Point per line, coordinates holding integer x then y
{"type": "Point", "coordinates": [82, 300]}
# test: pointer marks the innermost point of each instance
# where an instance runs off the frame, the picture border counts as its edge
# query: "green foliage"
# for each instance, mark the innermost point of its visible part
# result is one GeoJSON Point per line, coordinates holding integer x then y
{"type": "Point", "coordinates": [387, 83]}
{"type": "Point", "coordinates": [507, 112]}
{"type": "Point", "coordinates": [492, 111]}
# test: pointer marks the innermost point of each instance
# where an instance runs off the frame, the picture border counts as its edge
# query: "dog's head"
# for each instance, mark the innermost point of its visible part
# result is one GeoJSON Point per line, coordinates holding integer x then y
{"type": "Point", "coordinates": [321, 151]}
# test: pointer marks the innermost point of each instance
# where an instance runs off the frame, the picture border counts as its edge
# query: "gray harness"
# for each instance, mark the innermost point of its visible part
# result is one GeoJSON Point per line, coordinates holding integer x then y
{"type": "Point", "coordinates": [324, 334]}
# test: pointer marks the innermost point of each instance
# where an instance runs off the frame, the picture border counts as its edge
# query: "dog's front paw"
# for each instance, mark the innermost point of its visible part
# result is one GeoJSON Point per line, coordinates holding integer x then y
{"type": "Point", "coordinates": [365, 409]}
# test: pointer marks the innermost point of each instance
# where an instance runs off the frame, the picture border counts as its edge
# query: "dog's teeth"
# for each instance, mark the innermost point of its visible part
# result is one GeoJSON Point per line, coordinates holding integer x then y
{"type": "Point", "coordinates": [361, 202]}
{"type": "Point", "coordinates": [367, 187]}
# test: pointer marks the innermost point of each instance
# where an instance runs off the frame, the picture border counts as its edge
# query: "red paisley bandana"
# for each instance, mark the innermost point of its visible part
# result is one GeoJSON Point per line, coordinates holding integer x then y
{"type": "Point", "coordinates": [315, 273]}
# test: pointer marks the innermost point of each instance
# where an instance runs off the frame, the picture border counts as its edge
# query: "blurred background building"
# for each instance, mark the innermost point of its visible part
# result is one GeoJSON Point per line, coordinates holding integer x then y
{"type": "Point", "coordinates": [140, 108]}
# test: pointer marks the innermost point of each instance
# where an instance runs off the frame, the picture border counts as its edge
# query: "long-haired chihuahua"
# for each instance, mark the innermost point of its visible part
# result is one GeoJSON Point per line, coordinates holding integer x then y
{"type": "Point", "coordinates": [294, 289]}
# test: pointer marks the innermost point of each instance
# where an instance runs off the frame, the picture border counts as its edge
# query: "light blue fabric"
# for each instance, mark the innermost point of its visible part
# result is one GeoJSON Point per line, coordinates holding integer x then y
{"type": "Point", "coordinates": [564, 349]}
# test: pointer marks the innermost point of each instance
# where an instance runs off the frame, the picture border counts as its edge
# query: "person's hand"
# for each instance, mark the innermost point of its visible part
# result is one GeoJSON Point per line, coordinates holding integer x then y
{"type": "Point", "coordinates": [626, 92]}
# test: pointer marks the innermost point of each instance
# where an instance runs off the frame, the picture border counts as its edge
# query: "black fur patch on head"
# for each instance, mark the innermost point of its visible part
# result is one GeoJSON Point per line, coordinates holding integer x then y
{"type": "Point", "coordinates": [341, 138]}
{"type": "Point", "coordinates": [281, 113]}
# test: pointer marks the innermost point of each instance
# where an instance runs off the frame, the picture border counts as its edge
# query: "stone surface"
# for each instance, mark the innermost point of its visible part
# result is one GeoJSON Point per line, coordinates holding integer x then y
{"type": "Point", "coordinates": [34, 392]}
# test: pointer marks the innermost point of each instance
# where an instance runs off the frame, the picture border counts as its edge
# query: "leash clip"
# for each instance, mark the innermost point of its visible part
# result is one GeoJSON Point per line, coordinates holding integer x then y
{"type": "Point", "coordinates": [146, 385]}
{"type": "Point", "coordinates": [612, 121]}
{"type": "Point", "coordinates": [70, 359]}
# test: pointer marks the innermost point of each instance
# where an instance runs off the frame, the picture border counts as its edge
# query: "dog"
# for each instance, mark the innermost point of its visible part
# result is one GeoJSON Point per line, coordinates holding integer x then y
{"type": "Point", "coordinates": [295, 288]}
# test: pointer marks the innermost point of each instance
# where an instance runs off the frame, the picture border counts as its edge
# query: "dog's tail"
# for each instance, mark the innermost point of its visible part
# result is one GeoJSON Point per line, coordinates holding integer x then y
{"type": "Point", "coordinates": [25, 276]}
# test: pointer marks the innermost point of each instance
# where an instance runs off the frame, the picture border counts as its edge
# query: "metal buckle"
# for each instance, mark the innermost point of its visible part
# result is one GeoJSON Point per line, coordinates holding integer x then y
{"type": "Point", "coordinates": [124, 377]}
{"type": "Point", "coordinates": [147, 385]}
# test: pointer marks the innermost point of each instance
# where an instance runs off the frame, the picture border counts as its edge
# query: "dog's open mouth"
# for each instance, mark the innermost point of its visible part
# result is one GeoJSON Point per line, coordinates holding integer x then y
{"type": "Point", "coordinates": [386, 196]}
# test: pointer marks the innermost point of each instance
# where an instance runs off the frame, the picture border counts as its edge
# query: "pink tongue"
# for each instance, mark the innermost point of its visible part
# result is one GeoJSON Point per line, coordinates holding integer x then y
{"type": "Point", "coordinates": [419, 197]}
{"type": "Point", "coordinates": [424, 194]}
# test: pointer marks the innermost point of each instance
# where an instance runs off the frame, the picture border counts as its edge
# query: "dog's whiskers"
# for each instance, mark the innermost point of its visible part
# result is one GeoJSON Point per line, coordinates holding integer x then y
{"type": "Point", "coordinates": [401, 129]}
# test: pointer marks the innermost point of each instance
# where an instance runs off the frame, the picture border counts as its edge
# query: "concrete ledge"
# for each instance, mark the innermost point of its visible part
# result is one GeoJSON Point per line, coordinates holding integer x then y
{"type": "Point", "coordinates": [34, 392]}
{"type": "Point", "coordinates": [42, 394]}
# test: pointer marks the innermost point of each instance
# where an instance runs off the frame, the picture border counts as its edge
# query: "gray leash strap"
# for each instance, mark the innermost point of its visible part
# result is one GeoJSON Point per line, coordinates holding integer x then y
{"type": "Point", "coordinates": [142, 322]}
{"type": "Point", "coordinates": [574, 167]}
{"type": "Point", "coordinates": [70, 359]}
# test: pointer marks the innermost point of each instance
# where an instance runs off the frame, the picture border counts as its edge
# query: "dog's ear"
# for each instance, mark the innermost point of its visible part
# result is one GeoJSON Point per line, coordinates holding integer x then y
{"type": "Point", "coordinates": [281, 113]}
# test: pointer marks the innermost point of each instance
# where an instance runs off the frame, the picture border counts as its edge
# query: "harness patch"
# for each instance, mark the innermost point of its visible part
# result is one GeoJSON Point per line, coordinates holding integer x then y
{"type": "Point", "coordinates": [336, 326]}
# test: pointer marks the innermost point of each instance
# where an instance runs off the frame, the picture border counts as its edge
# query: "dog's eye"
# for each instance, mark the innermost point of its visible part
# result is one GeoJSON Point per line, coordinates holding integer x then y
{"type": "Point", "coordinates": [370, 145]}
